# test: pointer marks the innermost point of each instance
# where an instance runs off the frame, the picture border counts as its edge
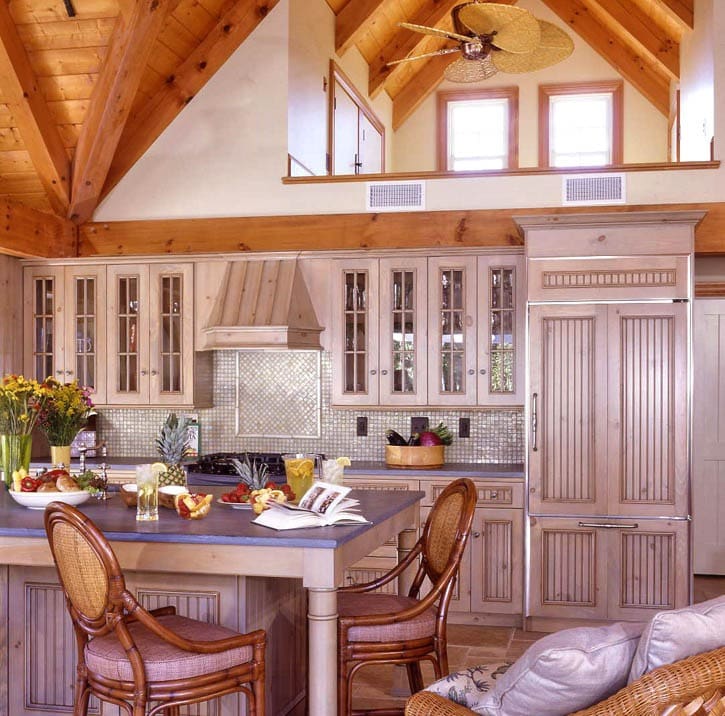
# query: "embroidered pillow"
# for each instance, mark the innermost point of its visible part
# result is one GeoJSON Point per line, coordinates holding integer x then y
{"type": "Point", "coordinates": [558, 674]}
{"type": "Point", "coordinates": [679, 633]}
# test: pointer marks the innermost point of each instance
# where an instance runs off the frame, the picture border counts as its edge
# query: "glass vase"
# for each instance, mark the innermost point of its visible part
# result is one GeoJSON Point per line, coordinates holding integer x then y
{"type": "Point", "coordinates": [60, 455]}
{"type": "Point", "coordinates": [15, 453]}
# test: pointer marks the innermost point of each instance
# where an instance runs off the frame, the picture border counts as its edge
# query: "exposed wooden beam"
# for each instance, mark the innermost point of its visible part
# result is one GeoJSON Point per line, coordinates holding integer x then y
{"type": "Point", "coordinates": [652, 84]}
{"type": "Point", "coordinates": [661, 48]}
{"type": "Point", "coordinates": [227, 35]}
{"type": "Point", "coordinates": [419, 87]}
{"type": "Point", "coordinates": [681, 10]}
{"type": "Point", "coordinates": [31, 233]}
{"type": "Point", "coordinates": [111, 103]}
{"type": "Point", "coordinates": [351, 22]}
{"type": "Point", "coordinates": [20, 90]}
{"type": "Point", "coordinates": [432, 229]}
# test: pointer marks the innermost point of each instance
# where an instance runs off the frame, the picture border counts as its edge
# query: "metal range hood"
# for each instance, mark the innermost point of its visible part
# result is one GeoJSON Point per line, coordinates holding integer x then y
{"type": "Point", "coordinates": [263, 305]}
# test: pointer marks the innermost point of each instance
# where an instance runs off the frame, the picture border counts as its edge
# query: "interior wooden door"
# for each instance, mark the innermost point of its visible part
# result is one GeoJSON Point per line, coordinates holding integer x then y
{"type": "Point", "coordinates": [370, 148]}
{"type": "Point", "coordinates": [568, 394]}
{"type": "Point", "coordinates": [708, 438]}
{"type": "Point", "coordinates": [345, 132]}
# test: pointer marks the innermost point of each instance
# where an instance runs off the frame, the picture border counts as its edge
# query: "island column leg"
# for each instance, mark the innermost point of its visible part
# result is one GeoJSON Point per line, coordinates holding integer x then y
{"type": "Point", "coordinates": [322, 646]}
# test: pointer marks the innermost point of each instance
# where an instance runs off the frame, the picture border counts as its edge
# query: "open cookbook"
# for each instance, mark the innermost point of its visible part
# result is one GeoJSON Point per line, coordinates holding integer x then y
{"type": "Point", "coordinates": [323, 504]}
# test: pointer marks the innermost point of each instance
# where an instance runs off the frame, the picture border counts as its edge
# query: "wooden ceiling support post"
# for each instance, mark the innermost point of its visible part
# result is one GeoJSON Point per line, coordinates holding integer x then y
{"type": "Point", "coordinates": [681, 10]}
{"type": "Point", "coordinates": [111, 103]}
{"type": "Point", "coordinates": [19, 86]}
{"type": "Point", "coordinates": [31, 233]}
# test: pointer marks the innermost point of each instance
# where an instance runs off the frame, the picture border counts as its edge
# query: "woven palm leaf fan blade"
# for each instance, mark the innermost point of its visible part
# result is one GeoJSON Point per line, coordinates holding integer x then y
{"type": "Point", "coordinates": [554, 46]}
{"type": "Point", "coordinates": [435, 31]}
{"type": "Point", "coordinates": [512, 29]}
{"type": "Point", "coordinates": [464, 70]}
{"type": "Point", "coordinates": [443, 51]}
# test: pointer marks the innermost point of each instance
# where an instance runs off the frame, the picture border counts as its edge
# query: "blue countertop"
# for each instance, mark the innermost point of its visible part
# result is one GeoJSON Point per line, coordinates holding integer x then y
{"type": "Point", "coordinates": [223, 525]}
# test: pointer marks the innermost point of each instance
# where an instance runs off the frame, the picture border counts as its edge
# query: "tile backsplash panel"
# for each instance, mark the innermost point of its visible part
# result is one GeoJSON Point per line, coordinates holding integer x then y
{"type": "Point", "coordinates": [497, 434]}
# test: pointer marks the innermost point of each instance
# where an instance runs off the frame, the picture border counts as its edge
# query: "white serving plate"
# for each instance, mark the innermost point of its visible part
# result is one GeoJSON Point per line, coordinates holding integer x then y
{"type": "Point", "coordinates": [235, 505]}
{"type": "Point", "coordinates": [39, 500]}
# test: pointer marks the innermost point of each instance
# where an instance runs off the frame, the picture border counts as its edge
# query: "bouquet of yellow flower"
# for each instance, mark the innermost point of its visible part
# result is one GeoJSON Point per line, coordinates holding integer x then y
{"type": "Point", "coordinates": [66, 412]}
{"type": "Point", "coordinates": [21, 403]}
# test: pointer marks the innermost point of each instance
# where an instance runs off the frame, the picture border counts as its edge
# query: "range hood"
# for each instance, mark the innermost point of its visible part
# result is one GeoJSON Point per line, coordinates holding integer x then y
{"type": "Point", "coordinates": [262, 305]}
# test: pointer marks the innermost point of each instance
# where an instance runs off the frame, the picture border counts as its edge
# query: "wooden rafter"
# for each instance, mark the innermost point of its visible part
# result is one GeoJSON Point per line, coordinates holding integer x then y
{"type": "Point", "coordinates": [419, 87]}
{"type": "Point", "coordinates": [351, 21]}
{"type": "Point", "coordinates": [682, 10]}
{"type": "Point", "coordinates": [226, 36]}
{"type": "Point", "coordinates": [31, 233]}
{"type": "Point", "coordinates": [486, 227]}
{"type": "Point", "coordinates": [661, 48]}
{"type": "Point", "coordinates": [19, 86]}
{"type": "Point", "coordinates": [652, 84]}
{"type": "Point", "coordinates": [111, 103]}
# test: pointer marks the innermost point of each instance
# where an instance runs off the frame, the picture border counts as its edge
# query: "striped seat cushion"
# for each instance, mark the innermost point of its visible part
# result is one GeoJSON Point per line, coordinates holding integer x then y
{"type": "Point", "coordinates": [351, 604]}
{"type": "Point", "coordinates": [164, 662]}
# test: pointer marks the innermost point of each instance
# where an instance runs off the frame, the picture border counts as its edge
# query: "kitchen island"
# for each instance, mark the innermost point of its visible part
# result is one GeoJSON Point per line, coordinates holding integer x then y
{"type": "Point", "coordinates": [222, 568]}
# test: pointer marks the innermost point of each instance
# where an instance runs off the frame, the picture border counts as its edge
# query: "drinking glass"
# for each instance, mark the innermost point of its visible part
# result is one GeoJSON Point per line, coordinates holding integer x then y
{"type": "Point", "coordinates": [147, 494]}
{"type": "Point", "coordinates": [301, 470]}
{"type": "Point", "coordinates": [332, 471]}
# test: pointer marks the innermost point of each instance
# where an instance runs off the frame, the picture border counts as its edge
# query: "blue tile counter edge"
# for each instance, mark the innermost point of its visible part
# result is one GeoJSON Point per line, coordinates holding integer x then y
{"type": "Point", "coordinates": [452, 469]}
{"type": "Point", "coordinates": [224, 525]}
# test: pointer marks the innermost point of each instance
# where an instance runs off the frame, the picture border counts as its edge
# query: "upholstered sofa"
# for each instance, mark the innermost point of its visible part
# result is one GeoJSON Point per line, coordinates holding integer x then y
{"type": "Point", "coordinates": [674, 664]}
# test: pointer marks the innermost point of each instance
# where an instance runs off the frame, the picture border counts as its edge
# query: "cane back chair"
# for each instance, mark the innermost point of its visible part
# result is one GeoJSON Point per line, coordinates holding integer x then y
{"type": "Point", "coordinates": [139, 659]}
{"type": "Point", "coordinates": [375, 627]}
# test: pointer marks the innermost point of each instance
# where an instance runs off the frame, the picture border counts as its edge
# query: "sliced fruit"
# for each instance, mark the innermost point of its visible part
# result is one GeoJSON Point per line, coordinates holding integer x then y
{"type": "Point", "coordinates": [343, 461]}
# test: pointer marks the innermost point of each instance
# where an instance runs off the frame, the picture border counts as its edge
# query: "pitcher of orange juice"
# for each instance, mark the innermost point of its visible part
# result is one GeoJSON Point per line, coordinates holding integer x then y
{"type": "Point", "coordinates": [301, 470]}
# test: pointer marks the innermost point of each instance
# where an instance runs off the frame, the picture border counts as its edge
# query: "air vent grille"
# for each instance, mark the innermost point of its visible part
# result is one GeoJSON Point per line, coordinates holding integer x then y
{"type": "Point", "coordinates": [594, 189]}
{"type": "Point", "coordinates": [395, 196]}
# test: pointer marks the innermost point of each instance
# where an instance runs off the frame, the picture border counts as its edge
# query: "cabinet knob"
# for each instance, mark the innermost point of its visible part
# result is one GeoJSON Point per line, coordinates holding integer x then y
{"type": "Point", "coordinates": [482, 371]}
{"type": "Point", "coordinates": [69, 372]}
{"type": "Point", "coordinates": [494, 494]}
{"type": "Point", "coordinates": [475, 535]}
{"type": "Point", "coordinates": [144, 372]}
{"type": "Point", "coordinates": [383, 372]}
{"type": "Point", "coordinates": [59, 372]}
{"type": "Point", "coordinates": [373, 372]}
{"type": "Point", "coordinates": [154, 372]}
{"type": "Point", "coordinates": [471, 371]}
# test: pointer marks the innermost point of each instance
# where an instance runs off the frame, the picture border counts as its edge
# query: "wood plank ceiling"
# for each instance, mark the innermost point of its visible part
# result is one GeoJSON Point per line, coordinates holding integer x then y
{"type": "Point", "coordinates": [82, 97]}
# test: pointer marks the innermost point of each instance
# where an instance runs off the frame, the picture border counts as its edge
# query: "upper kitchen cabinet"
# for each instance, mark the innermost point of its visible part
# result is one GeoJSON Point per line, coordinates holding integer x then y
{"type": "Point", "coordinates": [412, 331]}
{"type": "Point", "coordinates": [65, 322]}
{"type": "Point", "coordinates": [151, 357]}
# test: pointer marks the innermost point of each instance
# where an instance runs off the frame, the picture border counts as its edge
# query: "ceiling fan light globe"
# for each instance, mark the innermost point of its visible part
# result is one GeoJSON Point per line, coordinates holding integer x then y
{"type": "Point", "coordinates": [463, 70]}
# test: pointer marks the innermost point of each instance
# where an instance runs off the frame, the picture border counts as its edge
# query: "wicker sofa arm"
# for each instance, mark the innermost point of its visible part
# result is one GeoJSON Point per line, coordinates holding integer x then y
{"type": "Point", "coordinates": [426, 703]}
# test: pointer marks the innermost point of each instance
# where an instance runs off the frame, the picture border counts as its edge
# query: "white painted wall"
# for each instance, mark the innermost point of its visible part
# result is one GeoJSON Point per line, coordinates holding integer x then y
{"type": "Point", "coordinates": [645, 128]}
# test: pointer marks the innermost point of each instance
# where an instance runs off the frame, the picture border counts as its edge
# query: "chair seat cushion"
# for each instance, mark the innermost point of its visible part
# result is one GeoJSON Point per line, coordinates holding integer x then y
{"type": "Point", "coordinates": [352, 604]}
{"type": "Point", "coordinates": [164, 662]}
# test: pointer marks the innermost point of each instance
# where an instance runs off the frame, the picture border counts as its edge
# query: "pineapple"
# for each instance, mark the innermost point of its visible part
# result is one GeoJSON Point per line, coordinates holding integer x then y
{"type": "Point", "coordinates": [251, 474]}
{"type": "Point", "coordinates": [171, 445]}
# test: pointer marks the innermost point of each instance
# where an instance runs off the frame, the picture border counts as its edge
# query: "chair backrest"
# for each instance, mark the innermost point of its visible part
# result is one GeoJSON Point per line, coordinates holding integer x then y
{"type": "Point", "coordinates": [87, 567]}
{"type": "Point", "coordinates": [446, 532]}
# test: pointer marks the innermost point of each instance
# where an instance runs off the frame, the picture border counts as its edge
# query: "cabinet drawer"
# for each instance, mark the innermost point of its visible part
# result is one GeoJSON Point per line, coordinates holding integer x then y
{"type": "Point", "coordinates": [494, 494]}
{"type": "Point", "coordinates": [368, 482]}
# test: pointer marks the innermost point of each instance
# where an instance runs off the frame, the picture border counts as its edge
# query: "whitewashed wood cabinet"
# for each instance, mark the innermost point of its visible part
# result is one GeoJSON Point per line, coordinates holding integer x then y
{"type": "Point", "coordinates": [441, 331]}
{"type": "Point", "coordinates": [65, 319]}
{"type": "Point", "coordinates": [151, 358]}
{"type": "Point", "coordinates": [489, 588]}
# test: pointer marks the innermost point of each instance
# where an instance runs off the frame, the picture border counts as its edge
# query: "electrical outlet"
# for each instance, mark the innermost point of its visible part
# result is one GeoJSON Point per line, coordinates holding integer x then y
{"type": "Point", "coordinates": [418, 425]}
{"type": "Point", "coordinates": [362, 427]}
{"type": "Point", "coordinates": [464, 427]}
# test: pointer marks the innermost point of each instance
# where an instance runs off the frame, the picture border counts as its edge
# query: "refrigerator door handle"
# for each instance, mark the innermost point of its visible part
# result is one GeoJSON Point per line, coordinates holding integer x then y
{"type": "Point", "coordinates": [534, 422]}
{"type": "Point", "coordinates": [610, 525]}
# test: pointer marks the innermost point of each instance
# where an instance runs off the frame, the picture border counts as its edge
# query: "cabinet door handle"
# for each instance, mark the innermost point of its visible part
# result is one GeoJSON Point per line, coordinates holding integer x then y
{"type": "Point", "coordinates": [373, 372]}
{"type": "Point", "coordinates": [69, 372]}
{"type": "Point", "coordinates": [144, 372]}
{"type": "Point", "coordinates": [383, 372]}
{"type": "Point", "coordinates": [534, 422]}
{"type": "Point", "coordinates": [59, 372]}
{"type": "Point", "coordinates": [471, 372]}
{"type": "Point", "coordinates": [475, 535]}
{"type": "Point", "coordinates": [482, 371]}
{"type": "Point", "coordinates": [609, 525]}
{"type": "Point", "coordinates": [154, 372]}
{"type": "Point", "coordinates": [494, 494]}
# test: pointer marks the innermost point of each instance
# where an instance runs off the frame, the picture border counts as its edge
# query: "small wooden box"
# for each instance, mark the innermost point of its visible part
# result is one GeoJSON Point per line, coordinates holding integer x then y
{"type": "Point", "coordinates": [405, 456]}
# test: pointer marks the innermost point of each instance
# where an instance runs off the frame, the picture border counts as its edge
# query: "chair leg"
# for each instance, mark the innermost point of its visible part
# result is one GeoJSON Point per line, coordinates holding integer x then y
{"type": "Point", "coordinates": [80, 706]}
{"type": "Point", "coordinates": [415, 677]}
{"type": "Point", "coordinates": [257, 704]}
{"type": "Point", "coordinates": [344, 695]}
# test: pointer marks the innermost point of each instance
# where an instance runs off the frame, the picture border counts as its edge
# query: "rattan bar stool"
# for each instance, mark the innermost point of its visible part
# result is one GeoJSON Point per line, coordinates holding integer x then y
{"type": "Point", "coordinates": [143, 661]}
{"type": "Point", "coordinates": [374, 627]}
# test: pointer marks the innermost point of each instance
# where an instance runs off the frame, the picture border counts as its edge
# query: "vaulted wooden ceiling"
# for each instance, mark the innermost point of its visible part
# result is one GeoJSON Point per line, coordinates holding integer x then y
{"type": "Point", "coordinates": [86, 86]}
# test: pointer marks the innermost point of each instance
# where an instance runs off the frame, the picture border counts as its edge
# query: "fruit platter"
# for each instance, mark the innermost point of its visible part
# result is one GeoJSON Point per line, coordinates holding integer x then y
{"type": "Point", "coordinates": [53, 486]}
{"type": "Point", "coordinates": [254, 490]}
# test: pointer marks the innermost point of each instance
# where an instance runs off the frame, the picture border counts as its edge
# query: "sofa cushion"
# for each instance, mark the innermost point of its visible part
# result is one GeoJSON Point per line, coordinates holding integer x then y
{"type": "Point", "coordinates": [469, 686]}
{"type": "Point", "coordinates": [558, 674]}
{"type": "Point", "coordinates": [679, 633]}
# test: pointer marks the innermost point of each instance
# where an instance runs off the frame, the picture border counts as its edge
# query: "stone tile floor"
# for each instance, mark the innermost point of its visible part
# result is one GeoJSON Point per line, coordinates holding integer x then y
{"type": "Point", "coordinates": [386, 687]}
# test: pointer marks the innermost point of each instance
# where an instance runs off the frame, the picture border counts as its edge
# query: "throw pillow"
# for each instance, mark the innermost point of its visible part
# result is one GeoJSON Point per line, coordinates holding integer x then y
{"type": "Point", "coordinates": [560, 673]}
{"type": "Point", "coordinates": [679, 633]}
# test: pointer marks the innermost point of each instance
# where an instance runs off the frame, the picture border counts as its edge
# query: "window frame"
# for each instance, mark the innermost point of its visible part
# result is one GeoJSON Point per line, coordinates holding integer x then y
{"type": "Point", "coordinates": [511, 94]}
{"type": "Point", "coordinates": [613, 87]}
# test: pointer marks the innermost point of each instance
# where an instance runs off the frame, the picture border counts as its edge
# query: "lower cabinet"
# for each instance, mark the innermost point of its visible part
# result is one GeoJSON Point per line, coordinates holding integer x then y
{"type": "Point", "coordinates": [41, 646]}
{"type": "Point", "coordinates": [489, 589]}
{"type": "Point", "coordinates": [606, 569]}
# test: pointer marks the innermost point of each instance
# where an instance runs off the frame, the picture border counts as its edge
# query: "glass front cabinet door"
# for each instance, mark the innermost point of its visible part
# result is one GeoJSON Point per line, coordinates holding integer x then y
{"type": "Point", "coordinates": [65, 313]}
{"type": "Point", "coordinates": [151, 339]}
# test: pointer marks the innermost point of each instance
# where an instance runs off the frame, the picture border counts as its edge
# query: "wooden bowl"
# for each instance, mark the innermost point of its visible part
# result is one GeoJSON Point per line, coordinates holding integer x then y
{"type": "Point", "coordinates": [410, 457]}
{"type": "Point", "coordinates": [128, 494]}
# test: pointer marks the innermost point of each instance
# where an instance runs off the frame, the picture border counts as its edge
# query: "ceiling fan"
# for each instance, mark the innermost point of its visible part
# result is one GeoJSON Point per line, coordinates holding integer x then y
{"type": "Point", "coordinates": [493, 37]}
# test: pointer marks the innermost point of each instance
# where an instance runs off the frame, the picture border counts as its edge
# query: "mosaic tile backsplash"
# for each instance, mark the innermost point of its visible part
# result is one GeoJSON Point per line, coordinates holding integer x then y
{"type": "Point", "coordinates": [496, 433]}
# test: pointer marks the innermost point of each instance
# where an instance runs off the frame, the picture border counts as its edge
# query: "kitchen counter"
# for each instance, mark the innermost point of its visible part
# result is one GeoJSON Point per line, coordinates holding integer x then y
{"type": "Point", "coordinates": [449, 469]}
